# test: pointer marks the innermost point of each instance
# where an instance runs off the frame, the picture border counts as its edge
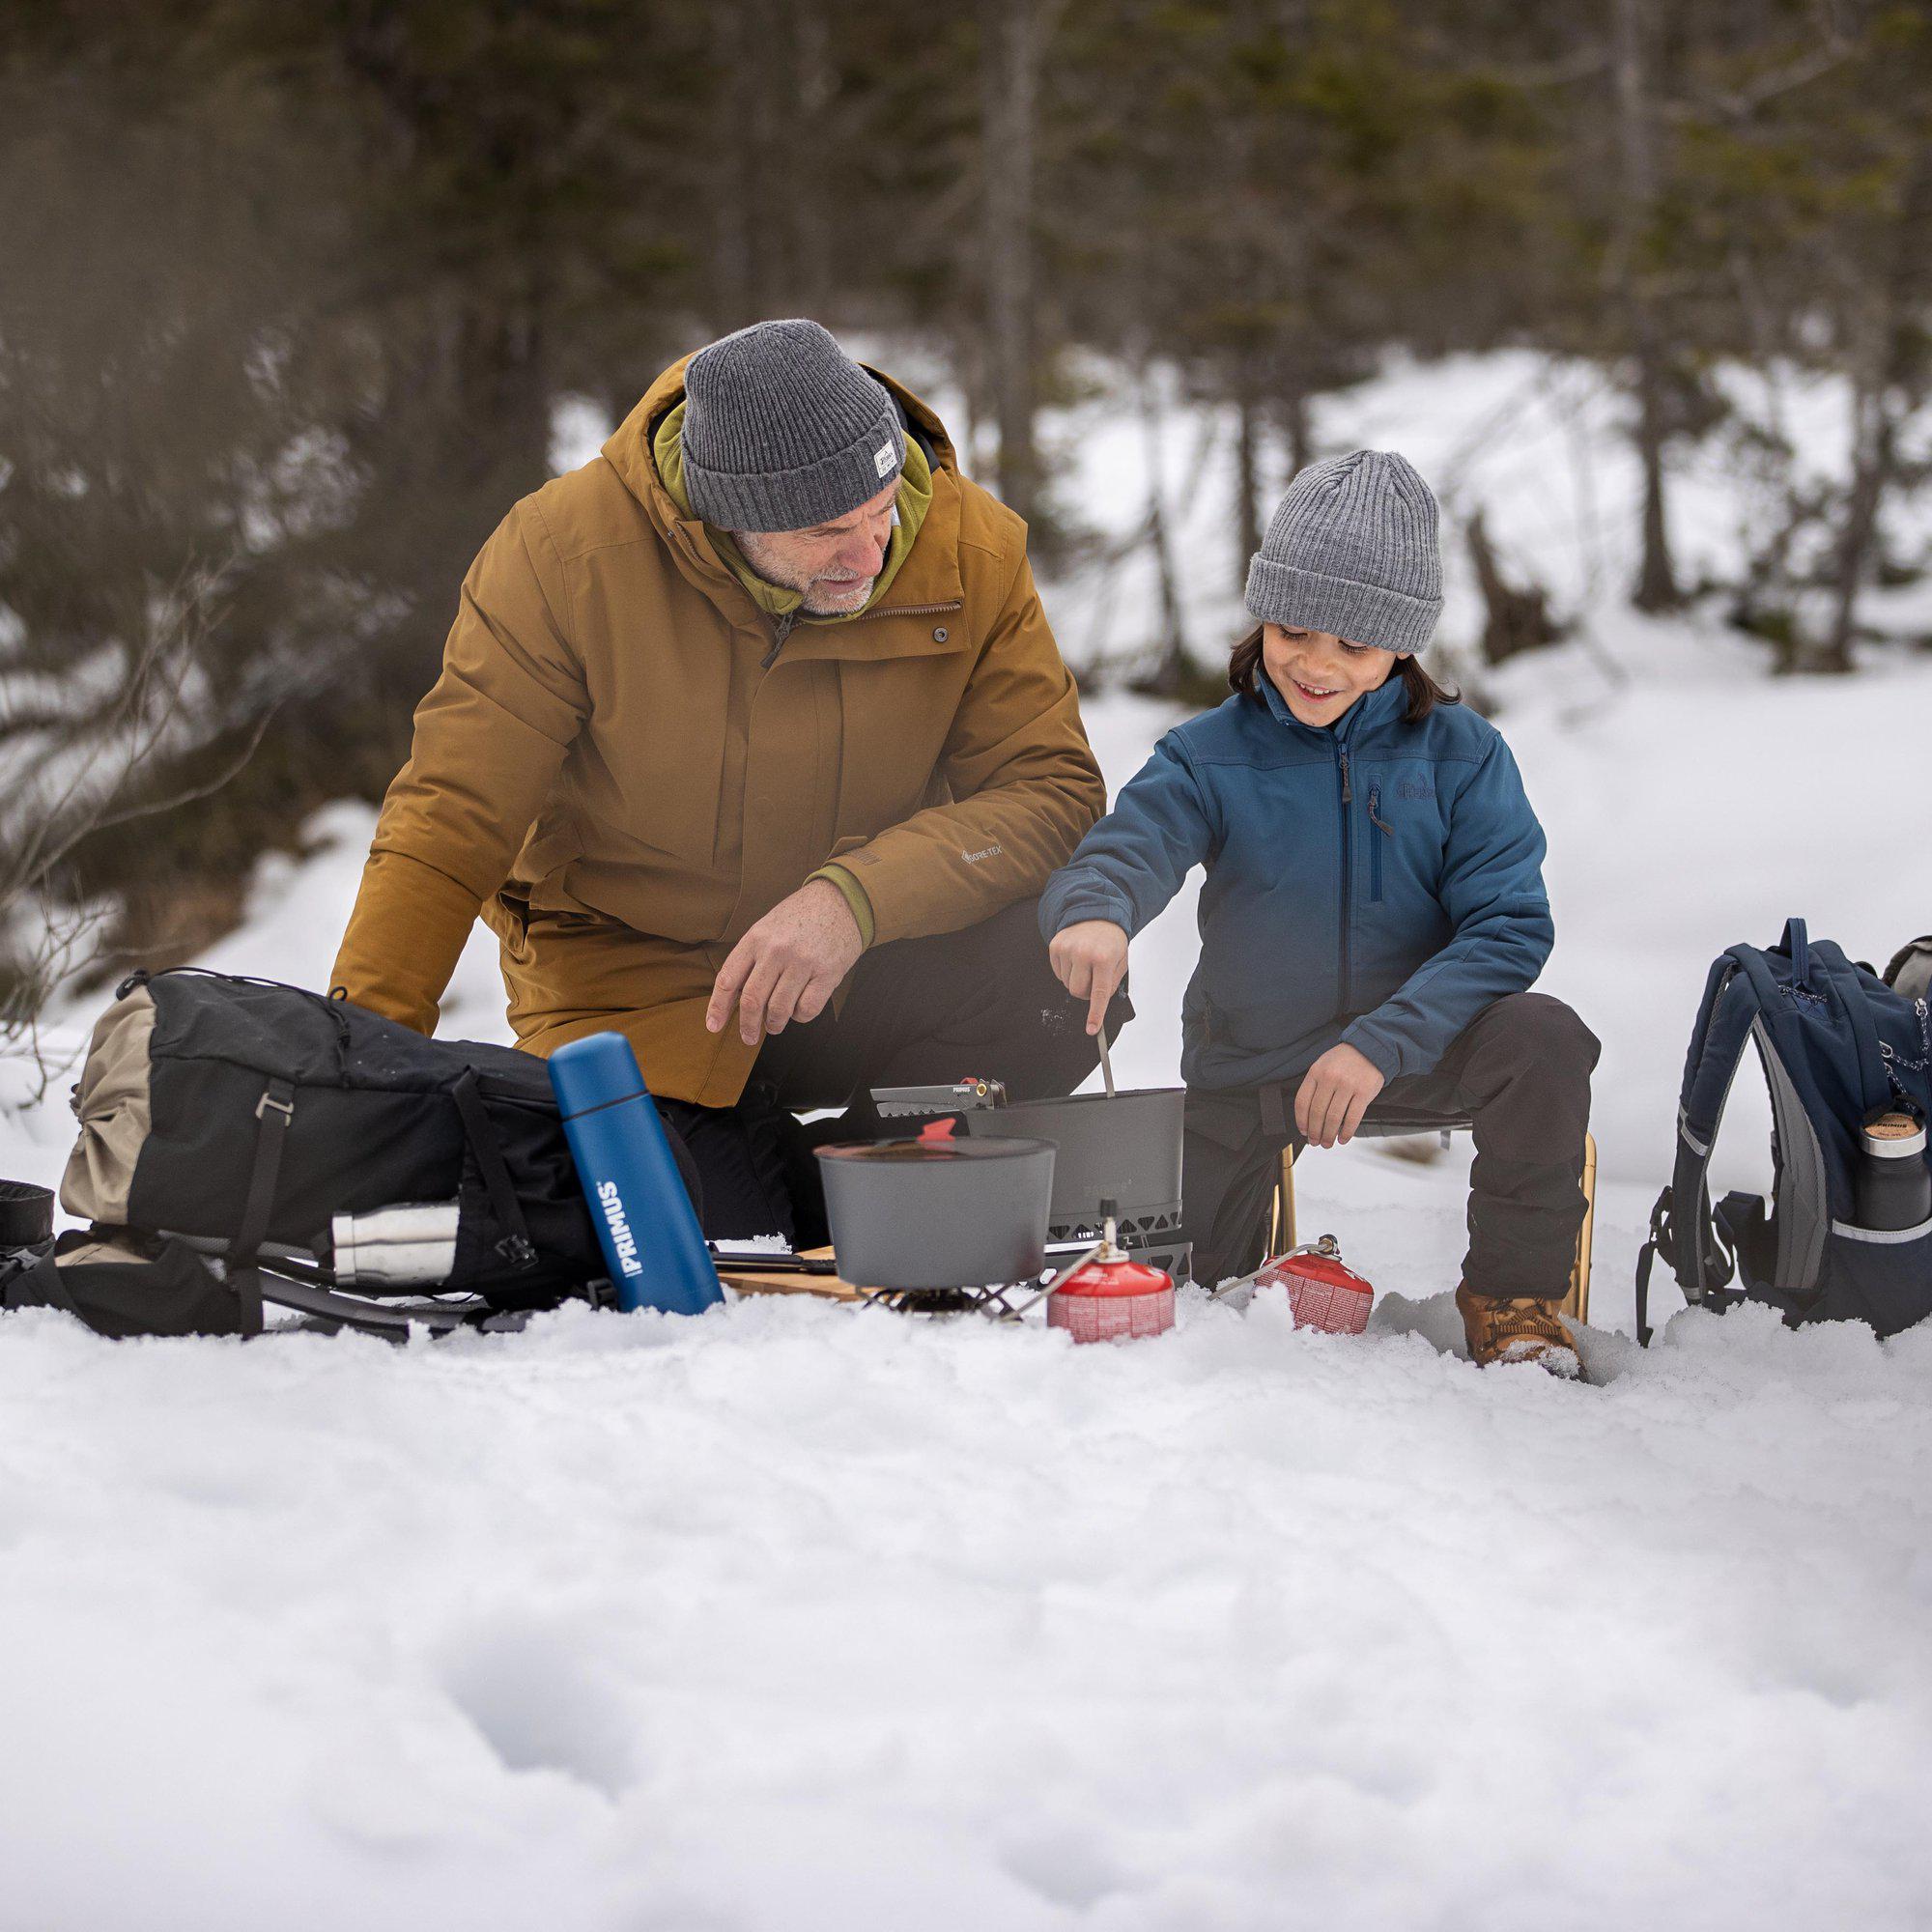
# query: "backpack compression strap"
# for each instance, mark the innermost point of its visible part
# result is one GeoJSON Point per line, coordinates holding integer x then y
{"type": "Point", "coordinates": [275, 1115]}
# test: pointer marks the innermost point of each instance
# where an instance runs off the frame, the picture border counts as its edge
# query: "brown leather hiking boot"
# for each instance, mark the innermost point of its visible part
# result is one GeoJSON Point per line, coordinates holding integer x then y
{"type": "Point", "coordinates": [1526, 1329]}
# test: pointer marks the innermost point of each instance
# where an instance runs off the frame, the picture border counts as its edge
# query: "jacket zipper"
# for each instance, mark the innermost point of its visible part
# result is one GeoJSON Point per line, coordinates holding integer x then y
{"type": "Point", "coordinates": [1347, 869]}
{"type": "Point", "coordinates": [909, 610]}
{"type": "Point", "coordinates": [1375, 845]}
{"type": "Point", "coordinates": [783, 627]}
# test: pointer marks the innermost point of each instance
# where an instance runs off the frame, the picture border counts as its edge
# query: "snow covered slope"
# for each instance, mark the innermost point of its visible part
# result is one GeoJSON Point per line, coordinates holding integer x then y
{"type": "Point", "coordinates": [795, 1617]}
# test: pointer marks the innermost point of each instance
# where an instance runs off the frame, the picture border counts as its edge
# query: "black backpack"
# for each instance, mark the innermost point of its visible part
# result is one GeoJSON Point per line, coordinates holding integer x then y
{"type": "Point", "coordinates": [226, 1122]}
{"type": "Point", "coordinates": [1837, 1045]}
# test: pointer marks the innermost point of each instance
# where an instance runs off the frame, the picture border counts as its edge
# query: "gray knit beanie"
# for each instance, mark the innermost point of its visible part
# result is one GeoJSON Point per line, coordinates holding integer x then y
{"type": "Point", "coordinates": [1351, 550]}
{"type": "Point", "coordinates": [784, 430]}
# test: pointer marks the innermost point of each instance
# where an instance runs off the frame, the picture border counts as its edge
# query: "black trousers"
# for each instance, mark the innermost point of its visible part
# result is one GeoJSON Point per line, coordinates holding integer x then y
{"type": "Point", "coordinates": [1520, 1070]}
{"type": "Point", "coordinates": [981, 1001]}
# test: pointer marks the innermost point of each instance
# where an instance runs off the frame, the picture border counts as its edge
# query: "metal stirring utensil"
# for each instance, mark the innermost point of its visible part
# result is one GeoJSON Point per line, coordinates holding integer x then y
{"type": "Point", "coordinates": [1106, 1065]}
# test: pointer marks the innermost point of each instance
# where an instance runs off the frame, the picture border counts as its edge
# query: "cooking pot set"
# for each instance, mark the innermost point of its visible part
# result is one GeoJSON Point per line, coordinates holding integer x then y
{"type": "Point", "coordinates": [952, 1209]}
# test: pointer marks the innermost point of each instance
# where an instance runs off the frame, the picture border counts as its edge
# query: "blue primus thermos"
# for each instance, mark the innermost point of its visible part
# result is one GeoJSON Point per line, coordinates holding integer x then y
{"type": "Point", "coordinates": [651, 1239]}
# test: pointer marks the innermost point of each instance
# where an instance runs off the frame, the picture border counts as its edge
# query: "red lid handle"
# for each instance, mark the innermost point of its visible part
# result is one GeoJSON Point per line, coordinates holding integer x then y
{"type": "Point", "coordinates": [938, 1130]}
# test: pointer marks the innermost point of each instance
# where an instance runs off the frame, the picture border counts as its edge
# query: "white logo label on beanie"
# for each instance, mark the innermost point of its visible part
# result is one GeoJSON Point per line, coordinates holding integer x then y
{"type": "Point", "coordinates": [885, 459]}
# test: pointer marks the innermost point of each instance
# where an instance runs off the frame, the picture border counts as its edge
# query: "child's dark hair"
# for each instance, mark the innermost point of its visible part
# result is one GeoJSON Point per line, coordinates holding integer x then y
{"type": "Point", "coordinates": [1244, 666]}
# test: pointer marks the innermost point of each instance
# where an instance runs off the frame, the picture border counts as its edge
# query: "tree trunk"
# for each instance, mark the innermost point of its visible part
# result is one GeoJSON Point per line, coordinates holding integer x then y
{"type": "Point", "coordinates": [749, 212]}
{"type": "Point", "coordinates": [1874, 458]}
{"type": "Point", "coordinates": [1656, 588]}
{"type": "Point", "coordinates": [1515, 617]}
{"type": "Point", "coordinates": [1247, 467]}
{"type": "Point", "coordinates": [1008, 92]}
{"type": "Point", "coordinates": [1295, 426]}
{"type": "Point", "coordinates": [815, 82]}
{"type": "Point", "coordinates": [1885, 370]}
{"type": "Point", "coordinates": [1169, 676]}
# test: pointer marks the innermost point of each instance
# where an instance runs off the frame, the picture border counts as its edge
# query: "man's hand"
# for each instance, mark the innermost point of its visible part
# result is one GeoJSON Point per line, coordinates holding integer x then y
{"type": "Point", "coordinates": [1090, 958]}
{"type": "Point", "coordinates": [1334, 1094]}
{"type": "Point", "coordinates": [787, 965]}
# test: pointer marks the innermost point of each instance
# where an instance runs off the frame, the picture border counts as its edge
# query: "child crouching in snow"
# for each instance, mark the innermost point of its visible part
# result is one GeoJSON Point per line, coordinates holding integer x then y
{"type": "Point", "coordinates": [1373, 916]}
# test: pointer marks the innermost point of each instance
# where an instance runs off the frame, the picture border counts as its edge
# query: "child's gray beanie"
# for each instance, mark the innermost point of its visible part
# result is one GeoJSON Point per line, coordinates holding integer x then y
{"type": "Point", "coordinates": [1351, 550]}
{"type": "Point", "coordinates": [784, 430]}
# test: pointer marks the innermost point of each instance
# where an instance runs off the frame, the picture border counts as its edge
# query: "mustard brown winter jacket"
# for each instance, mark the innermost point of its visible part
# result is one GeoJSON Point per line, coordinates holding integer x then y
{"type": "Point", "coordinates": [626, 760]}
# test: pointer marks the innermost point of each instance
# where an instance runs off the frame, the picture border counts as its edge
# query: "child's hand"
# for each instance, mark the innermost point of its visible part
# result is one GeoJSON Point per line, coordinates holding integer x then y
{"type": "Point", "coordinates": [1334, 1094]}
{"type": "Point", "coordinates": [1090, 958]}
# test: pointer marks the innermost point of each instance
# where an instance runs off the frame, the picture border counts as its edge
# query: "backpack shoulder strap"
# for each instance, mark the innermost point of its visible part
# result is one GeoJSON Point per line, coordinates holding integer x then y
{"type": "Point", "coordinates": [1681, 1228]}
{"type": "Point", "coordinates": [1732, 1005]}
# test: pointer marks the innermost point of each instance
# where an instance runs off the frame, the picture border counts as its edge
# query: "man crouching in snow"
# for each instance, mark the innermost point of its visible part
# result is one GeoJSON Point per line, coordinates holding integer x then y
{"type": "Point", "coordinates": [751, 743]}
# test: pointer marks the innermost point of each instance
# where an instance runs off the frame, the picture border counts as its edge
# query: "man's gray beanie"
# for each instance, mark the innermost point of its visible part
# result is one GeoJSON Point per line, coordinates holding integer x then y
{"type": "Point", "coordinates": [784, 430]}
{"type": "Point", "coordinates": [1351, 550]}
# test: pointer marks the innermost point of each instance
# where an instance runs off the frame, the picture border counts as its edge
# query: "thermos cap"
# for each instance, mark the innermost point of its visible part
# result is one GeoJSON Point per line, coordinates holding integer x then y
{"type": "Point", "coordinates": [1893, 1136]}
{"type": "Point", "coordinates": [598, 1070]}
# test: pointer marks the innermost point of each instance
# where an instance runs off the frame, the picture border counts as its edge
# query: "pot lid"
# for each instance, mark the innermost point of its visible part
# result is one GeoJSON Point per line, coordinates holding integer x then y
{"type": "Point", "coordinates": [936, 1141]}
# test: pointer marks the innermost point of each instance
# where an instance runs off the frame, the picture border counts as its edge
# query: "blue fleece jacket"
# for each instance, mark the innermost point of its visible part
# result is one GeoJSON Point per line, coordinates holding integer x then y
{"type": "Point", "coordinates": [1377, 881]}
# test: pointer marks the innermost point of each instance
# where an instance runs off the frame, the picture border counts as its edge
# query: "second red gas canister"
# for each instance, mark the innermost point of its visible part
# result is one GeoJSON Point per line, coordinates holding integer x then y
{"type": "Point", "coordinates": [1321, 1293]}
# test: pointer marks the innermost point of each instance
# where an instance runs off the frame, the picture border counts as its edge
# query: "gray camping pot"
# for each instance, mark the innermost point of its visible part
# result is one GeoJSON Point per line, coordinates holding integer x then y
{"type": "Point", "coordinates": [1123, 1147]}
{"type": "Point", "coordinates": [937, 1211]}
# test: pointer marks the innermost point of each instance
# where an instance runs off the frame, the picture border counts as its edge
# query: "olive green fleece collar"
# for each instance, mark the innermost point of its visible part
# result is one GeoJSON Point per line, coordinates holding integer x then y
{"type": "Point", "coordinates": [913, 500]}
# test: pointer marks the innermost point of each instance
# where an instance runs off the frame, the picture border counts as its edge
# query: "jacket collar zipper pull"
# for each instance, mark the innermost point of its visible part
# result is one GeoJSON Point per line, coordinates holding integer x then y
{"type": "Point", "coordinates": [1348, 796]}
{"type": "Point", "coordinates": [782, 629]}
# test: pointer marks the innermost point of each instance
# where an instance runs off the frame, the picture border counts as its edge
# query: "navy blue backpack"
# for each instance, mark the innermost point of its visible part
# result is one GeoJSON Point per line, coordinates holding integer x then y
{"type": "Point", "coordinates": [1837, 1045]}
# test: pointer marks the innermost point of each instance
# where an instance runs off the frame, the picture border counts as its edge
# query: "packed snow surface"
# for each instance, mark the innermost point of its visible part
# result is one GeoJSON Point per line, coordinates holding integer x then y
{"type": "Point", "coordinates": [789, 1617]}
{"type": "Point", "coordinates": [795, 1616]}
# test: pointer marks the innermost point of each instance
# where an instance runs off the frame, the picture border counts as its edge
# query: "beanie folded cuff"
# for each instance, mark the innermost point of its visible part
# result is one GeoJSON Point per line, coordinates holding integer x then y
{"type": "Point", "coordinates": [794, 499]}
{"type": "Point", "coordinates": [1361, 613]}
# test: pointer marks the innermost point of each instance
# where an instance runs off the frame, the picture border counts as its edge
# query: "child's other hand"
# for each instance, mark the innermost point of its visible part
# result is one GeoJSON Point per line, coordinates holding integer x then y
{"type": "Point", "coordinates": [1090, 958]}
{"type": "Point", "coordinates": [1334, 1094]}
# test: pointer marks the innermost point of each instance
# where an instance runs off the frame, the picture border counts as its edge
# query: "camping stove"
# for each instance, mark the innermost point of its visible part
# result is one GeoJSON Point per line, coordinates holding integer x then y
{"type": "Point", "coordinates": [1109, 1296]}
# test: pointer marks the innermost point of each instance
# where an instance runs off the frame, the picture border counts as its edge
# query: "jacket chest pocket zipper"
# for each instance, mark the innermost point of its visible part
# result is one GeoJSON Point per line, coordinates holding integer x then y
{"type": "Point", "coordinates": [1376, 844]}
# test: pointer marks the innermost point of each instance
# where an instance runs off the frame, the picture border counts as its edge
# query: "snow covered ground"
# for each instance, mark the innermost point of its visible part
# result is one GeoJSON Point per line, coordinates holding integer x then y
{"type": "Point", "coordinates": [795, 1617]}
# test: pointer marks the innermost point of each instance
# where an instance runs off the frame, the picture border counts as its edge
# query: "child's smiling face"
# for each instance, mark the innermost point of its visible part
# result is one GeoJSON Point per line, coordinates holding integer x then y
{"type": "Point", "coordinates": [1320, 674]}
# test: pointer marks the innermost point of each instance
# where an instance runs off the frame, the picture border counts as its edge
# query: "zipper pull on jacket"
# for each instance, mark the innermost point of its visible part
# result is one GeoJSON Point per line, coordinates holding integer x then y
{"type": "Point", "coordinates": [1348, 796]}
{"type": "Point", "coordinates": [782, 629]}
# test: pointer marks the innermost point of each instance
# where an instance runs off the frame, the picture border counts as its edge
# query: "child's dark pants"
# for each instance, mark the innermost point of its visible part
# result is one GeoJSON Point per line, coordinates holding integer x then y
{"type": "Point", "coordinates": [1521, 1070]}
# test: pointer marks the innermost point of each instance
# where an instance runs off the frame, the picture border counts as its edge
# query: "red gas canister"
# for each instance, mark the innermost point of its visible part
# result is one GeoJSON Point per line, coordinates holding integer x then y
{"type": "Point", "coordinates": [1108, 1295]}
{"type": "Point", "coordinates": [1322, 1293]}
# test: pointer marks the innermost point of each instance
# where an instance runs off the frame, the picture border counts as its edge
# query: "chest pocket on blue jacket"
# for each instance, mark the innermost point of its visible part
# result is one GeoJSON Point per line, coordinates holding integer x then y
{"type": "Point", "coordinates": [1379, 836]}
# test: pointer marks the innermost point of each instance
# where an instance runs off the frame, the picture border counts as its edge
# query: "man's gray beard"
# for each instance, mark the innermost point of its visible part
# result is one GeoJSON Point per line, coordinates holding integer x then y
{"type": "Point", "coordinates": [758, 555]}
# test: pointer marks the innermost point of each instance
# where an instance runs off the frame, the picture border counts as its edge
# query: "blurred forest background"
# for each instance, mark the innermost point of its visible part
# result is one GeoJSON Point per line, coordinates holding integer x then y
{"type": "Point", "coordinates": [290, 294]}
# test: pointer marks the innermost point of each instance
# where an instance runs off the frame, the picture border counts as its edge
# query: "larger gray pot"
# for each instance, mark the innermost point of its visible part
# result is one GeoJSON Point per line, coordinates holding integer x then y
{"type": "Point", "coordinates": [938, 1213]}
{"type": "Point", "coordinates": [1126, 1148]}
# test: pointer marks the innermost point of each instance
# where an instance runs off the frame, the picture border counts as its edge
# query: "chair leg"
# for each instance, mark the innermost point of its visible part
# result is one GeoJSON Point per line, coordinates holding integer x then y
{"type": "Point", "coordinates": [1577, 1304]}
{"type": "Point", "coordinates": [1281, 1215]}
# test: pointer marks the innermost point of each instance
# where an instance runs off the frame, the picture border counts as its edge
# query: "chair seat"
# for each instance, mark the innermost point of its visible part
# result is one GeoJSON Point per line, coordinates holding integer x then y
{"type": "Point", "coordinates": [1393, 1126]}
